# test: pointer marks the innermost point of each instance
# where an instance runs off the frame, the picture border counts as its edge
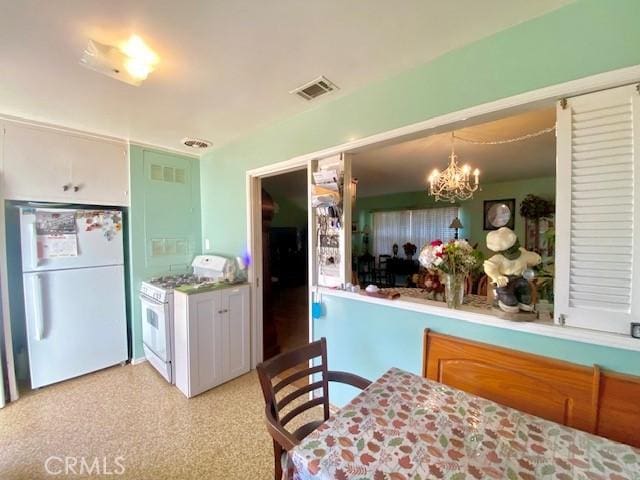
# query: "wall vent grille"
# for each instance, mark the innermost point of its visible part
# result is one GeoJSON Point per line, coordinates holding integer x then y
{"type": "Point", "coordinates": [162, 173]}
{"type": "Point", "coordinates": [196, 143]}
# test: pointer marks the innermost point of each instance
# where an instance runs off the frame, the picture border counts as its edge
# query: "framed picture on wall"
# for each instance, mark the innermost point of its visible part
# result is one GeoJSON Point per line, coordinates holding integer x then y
{"type": "Point", "coordinates": [499, 213]}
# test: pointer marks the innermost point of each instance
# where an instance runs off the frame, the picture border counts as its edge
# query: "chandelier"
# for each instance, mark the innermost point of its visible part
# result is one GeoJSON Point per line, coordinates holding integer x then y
{"type": "Point", "coordinates": [454, 183]}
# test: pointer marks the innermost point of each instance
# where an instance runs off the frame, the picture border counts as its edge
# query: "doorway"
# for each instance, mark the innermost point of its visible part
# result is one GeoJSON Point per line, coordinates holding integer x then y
{"type": "Point", "coordinates": [285, 286]}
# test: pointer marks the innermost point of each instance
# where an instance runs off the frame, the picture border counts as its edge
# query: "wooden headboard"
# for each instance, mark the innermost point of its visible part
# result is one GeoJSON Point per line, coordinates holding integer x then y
{"type": "Point", "coordinates": [582, 397]}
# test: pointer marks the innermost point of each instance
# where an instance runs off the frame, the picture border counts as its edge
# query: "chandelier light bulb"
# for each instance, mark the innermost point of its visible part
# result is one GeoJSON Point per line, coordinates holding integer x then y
{"type": "Point", "coordinates": [453, 183]}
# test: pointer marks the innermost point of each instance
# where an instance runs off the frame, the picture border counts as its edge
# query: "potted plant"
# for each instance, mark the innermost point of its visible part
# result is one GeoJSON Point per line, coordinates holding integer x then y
{"type": "Point", "coordinates": [455, 260]}
{"type": "Point", "coordinates": [534, 209]}
{"type": "Point", "coordinates": [409, 250]}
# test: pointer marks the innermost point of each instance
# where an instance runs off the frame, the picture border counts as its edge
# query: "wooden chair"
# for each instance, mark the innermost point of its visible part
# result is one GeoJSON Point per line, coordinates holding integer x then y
{"type": "Point", "coordinates": [366, 269]}
{"type": "Point", "coordinates": [468, 284]}
{"type": "Point", "coordinates": [383, 277]}
{"type": "Point", "coordinates": [482, 285]}
{"type": "Point", "coordinates": [283, 440]}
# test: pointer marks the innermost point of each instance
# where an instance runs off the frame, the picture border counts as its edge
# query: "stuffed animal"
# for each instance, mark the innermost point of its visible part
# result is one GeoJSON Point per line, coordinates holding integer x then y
{"type": "Point", "coordinates": [506, 267]}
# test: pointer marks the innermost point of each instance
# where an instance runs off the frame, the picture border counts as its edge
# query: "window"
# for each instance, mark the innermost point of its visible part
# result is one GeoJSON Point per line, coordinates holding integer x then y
{"type": "Point", "coordinates": [415, 226]}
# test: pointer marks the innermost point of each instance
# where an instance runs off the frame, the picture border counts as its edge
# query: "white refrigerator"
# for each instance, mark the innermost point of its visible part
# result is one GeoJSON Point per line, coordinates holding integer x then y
{"type": "Point", "coordinates": [74, 291]}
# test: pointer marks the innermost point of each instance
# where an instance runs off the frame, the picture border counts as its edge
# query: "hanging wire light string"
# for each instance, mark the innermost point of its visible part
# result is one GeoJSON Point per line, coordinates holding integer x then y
{"type": "Point", "coordinates": [507, 140]}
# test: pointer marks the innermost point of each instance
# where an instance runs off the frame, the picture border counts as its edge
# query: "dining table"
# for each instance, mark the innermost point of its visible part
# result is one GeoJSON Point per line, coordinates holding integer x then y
{"type": "Point", "coordinates": [404, 426]}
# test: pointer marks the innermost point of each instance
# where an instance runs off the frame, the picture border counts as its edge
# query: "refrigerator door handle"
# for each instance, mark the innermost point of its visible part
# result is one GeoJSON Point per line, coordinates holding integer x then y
{"type": "Point", "coordinates": [33, 245]}
{"type": "Point", "coordinates": [37, 307]}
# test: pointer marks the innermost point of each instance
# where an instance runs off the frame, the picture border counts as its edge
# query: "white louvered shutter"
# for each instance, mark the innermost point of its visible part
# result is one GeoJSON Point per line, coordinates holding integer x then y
{"type": "Point", "coordinates": [597, 229]}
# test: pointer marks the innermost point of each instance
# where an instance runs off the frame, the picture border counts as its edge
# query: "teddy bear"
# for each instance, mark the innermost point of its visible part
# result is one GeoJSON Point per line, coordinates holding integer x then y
{"type": "Point", "coordinates": [506, 267]}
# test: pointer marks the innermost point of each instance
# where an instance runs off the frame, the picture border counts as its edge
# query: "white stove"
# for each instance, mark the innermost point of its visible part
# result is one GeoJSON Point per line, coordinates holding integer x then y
{"type": "Point", "coordinates": [156, 299]}
{"type": "Point", "coordinates": [160, 288]}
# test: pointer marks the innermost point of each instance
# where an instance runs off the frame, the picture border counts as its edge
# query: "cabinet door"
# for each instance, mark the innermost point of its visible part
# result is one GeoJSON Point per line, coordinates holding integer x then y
{"type": "Point", "coordinates": [36, 164]}
{"type": "Point", "coordinates": [43, 164]}
{"type": "Point", "coordinates": [235, 321]}
{"type": "Point", "coordinates": [99, 171]}
{"type": "Point", "coordinates": [205, 332]}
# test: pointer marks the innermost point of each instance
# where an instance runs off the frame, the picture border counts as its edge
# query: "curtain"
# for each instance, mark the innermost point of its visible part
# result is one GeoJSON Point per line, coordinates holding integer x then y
{"type": "Point", "coordinates": [432, 224]}
{"type": "Point", "coordinates": [389, 228]}
{"type": "Point", "coordinates": [415, 226]}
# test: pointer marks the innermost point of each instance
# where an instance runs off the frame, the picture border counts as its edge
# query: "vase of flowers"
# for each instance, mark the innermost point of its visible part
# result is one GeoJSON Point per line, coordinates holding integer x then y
{"type": "Point", "coordinates": [409, 250]}
{"type": "Point", "coordinates": [455, 260]}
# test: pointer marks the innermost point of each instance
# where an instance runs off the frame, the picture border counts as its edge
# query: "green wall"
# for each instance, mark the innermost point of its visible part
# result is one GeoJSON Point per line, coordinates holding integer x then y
{"type": "Point", "coordinates": [360, 340]}
{"type": "Point", "coordinates": [164, 213]}
{"type": "Point", "coordinates": [581, 39]}
{"type": "Point", "coordinates": [471, 211]}
{"type": "Point", "coordinates": [289, 214]}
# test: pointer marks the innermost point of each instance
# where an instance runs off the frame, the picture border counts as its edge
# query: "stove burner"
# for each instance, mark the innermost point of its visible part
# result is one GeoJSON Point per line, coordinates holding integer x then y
{"type": "Point", "coordinates": [170, 282]}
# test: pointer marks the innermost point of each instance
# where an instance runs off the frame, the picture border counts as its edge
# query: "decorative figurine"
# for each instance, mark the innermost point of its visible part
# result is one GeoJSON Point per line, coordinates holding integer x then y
{"type": "Point", "coordinates": [507, 270]}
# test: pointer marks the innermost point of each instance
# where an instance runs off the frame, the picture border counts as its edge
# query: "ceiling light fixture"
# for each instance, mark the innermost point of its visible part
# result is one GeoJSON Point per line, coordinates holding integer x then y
{"type": "Point", "coordinates": [131, 62]}
{"type": "Point", "coordinates": [454, 183]}
{"type": "Point", "coordinates": [141, 60]}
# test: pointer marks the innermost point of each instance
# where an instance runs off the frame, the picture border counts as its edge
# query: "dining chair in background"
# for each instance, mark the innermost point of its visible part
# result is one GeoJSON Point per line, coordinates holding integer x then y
{"type": "Point", "coordinates": [273, 370]}
{"type": "Point", "coordinates": [366, 269]}
{"type": "Point", "coordinates": [482, 285]}
{"type": "Point", "coordinates": [468, 284]}
{"type": "Point", "coordinates": [382, 272]}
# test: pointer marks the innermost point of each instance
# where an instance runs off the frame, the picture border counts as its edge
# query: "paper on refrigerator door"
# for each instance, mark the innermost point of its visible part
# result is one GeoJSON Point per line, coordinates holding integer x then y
{"type": "Point", "coordinates": [57, 234]}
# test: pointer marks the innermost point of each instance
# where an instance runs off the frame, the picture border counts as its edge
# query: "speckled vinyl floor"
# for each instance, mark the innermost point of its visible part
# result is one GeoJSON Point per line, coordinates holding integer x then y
{"type": "Point", "coordinates": [129, 418]}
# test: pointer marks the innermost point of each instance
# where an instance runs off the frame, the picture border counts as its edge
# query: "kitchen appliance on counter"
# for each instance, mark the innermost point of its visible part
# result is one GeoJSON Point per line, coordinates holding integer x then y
{"type": "Point", "coordinates": [157, 301]}
{"type": "Point", "coordinates": [74, 293]}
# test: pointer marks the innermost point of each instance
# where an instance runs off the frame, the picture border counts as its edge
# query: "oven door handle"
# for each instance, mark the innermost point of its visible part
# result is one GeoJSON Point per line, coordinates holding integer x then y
{"type": "Point", "coordinates": [150, 300]}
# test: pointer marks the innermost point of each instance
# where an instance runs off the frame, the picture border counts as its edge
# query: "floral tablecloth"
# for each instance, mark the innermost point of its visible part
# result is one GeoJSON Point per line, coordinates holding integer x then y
{"type": "Point", "coordinates": [406, 427]}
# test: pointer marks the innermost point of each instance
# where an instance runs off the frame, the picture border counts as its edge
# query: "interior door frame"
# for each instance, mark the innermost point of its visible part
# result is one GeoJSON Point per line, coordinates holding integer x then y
{"type": "Point", "coordinates": [500, 107]}
{"type": "Point", "coordinates": [254, 241]}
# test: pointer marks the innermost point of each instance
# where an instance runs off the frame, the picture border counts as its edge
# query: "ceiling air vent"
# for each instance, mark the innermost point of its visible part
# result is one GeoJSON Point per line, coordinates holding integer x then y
{"type": "Point", "coordinates": [315, 88]}
{"type": "Point", "coordinates": [196, 143]}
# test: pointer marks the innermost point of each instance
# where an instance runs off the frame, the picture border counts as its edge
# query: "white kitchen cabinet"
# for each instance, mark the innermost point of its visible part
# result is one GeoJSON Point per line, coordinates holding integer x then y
{"type": "Point", "coordinates": [45, 164]}
{"type": "Point", "coordinates": [212, 338]}
{"type": "Point", "coordinates": [235, 332]}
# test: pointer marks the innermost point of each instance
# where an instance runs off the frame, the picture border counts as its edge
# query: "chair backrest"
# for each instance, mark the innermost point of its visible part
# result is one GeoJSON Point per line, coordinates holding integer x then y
{"type": "Point", "coordinates": [482, 285]}
{"type": "Point", "coordinates": [366, 263]}
{"type": "Point", "coordinates": [382, 261]}
{"type": "Point", "coordinates": [468, 284]}
{"type": "Point", "coordinates": [274, 369]}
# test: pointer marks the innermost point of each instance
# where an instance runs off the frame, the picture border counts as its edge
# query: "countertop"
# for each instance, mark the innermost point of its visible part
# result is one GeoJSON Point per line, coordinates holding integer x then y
{"type": "Point", "coordinates": [208, 287]}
